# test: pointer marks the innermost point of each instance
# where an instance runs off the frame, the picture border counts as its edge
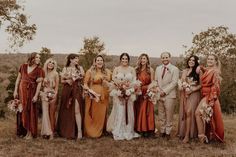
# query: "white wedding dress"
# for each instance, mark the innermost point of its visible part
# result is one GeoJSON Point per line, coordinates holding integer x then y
{"type": "Point", "coordinates": [117, 120]}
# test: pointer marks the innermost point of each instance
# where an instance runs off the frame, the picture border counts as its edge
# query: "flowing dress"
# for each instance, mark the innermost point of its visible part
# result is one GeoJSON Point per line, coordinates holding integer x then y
{"type": "Point", "coordinates": [66, 123]}
{"type": "Point", "coordinates": [48, 117]}
{"type": "Point", "coordinates": [186, 102]}
{"type": "Point", "coordinates": [96, 112]}
{"type": "Point", "coordinates": [121, 119]}
{"type": "Point", "coordinates": [144, 108]}
{"type": "Point", "coordinates": [27, 120]}
{"type": "Point", "coordinates": [210, 82]}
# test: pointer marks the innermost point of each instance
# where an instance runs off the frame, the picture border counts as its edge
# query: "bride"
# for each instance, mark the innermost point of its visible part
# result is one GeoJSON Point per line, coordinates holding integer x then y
{"type": "Point", "coordinates": [121, 120]}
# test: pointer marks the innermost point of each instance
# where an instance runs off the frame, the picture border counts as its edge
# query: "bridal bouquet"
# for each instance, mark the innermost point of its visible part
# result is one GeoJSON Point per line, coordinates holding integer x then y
{"type": "Point", "coordinates": [206, 111]}
{"type": "Point", "coordinates": [92, 94]}
{"type": "Point", "coordinates": [152, 92]}
{"type": "Point", "coordinates": [125, 89]}
{"type": "Point", "coordinates": [15, 105]}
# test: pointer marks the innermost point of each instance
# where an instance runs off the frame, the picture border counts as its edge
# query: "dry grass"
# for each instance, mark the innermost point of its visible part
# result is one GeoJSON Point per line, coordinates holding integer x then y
{"type": "Point", "coordinates": [12, 146]}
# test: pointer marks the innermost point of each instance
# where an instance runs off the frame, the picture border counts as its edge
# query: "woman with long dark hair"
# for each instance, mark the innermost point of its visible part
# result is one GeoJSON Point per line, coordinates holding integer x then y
{"type": "Point", "coordinates": [189, 99]}
{"type": "Point", "coordinates": [71, 110]}
{"type": "Point", "coordinates": [121, 119]}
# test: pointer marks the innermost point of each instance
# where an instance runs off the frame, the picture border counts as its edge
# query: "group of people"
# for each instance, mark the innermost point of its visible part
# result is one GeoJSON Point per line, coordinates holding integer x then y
{"type": "Point", "coordinates": [84, 103]}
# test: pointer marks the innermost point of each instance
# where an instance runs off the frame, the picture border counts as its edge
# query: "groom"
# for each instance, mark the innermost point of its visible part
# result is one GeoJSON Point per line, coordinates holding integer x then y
{"type": "Point", "coordinates": [167, 76]}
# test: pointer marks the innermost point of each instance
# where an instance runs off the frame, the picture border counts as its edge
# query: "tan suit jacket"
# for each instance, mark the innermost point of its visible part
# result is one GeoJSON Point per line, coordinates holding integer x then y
{"type": "Point", "coordinates": [170, 80]}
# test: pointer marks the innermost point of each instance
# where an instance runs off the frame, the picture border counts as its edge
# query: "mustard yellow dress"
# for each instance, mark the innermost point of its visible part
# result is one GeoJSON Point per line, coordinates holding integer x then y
{"type": "Point", "coordinates": [96, 112]}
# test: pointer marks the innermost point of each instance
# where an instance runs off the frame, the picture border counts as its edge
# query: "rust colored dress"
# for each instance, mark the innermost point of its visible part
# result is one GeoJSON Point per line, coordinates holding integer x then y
{"type": "Point", "coordinates": [211, 91]}
{"type": "Point", "coordinates": [66, 124]}
{"type": "Point", "coordinates": [144, 108]}
{"type": "Point", "coordinates": [28, 118]}
{"type": "Point", "coordinates": [96, 112]}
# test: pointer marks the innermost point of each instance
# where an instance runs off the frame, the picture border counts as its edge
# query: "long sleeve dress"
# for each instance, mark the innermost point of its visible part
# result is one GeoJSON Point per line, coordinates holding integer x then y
{"type": "Point", "coordinates": [210, 82]}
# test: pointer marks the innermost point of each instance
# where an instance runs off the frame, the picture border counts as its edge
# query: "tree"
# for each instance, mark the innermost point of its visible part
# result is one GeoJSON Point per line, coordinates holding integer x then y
{"type": "Point", "coordinates": [219, 41]}
{"type": "Point", "coordinates": [45, 53]}
{"type": "Point", "coordinates": [12, 14]}
{"type": "Point", "coordinates": [92, 47]}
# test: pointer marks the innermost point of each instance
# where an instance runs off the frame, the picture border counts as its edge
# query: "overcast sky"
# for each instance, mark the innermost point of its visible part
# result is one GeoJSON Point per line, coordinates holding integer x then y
{"type": "Point", "coordinates": [132, 26]}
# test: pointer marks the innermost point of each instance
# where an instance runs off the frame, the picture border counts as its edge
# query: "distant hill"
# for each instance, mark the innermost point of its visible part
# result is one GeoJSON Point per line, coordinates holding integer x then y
{"type": "Point", "coordinates": [13, 60]}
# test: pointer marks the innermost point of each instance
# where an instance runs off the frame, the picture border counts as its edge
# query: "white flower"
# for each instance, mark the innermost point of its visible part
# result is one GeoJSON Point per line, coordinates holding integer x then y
{"type": "Point", "coordinates": [119, 93]}
{"type": "Point", "coordinates": [128, 92]}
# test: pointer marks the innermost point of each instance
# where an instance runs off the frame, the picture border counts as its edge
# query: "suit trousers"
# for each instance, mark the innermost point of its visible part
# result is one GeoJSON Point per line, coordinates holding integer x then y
{"type": "Point", "coordinates": [165, 114]}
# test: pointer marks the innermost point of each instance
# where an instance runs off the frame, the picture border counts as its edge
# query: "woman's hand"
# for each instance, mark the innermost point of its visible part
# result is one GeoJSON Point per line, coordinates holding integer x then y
{"type": "Point", "coordinates": [211, 103]}
{"type": "Point", "coordinates": [35, 98]}
{"type": "Point", "coordinates": [69, 81]}
{"type": "Point", "coordinates": [15, 94]}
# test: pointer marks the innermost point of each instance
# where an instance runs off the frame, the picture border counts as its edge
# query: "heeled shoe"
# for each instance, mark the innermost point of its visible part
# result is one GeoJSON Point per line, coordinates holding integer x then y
{"type": "Point", "coordinates": [203, 138]}
{"type": "Point", "coordinates": [79, 136]}
{"type": "Point", "coordinates": [51, 137]}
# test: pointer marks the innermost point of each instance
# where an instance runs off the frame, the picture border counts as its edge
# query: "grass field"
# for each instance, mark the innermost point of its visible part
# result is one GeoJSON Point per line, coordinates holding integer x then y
{"type": "Point", "coordinates": [12, 146]}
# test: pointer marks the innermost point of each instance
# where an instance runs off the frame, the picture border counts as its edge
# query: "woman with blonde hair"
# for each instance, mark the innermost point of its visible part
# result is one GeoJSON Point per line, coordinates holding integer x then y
{"type": "Point", "coordinates": [144, 107]}
{"type": "Point", "coordinates": [96, 109]}
{"type": "Point", "coordinates": [49, 97]}
{"type": "Point", "coordinates": [208, 114]}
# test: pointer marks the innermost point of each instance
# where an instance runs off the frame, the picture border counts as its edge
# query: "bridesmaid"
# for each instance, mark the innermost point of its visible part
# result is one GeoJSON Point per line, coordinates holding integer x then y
{"type": "Point", "coordinates": [95, 112]}
{"type": "Point", "coordinates": [210, 82]}
{"type": "Point", "coordinates": [71, 109]}
{"type": "Point", "coordinates": [189, 99]}
{"type": "Point", "coordinates": [145, 121]}
{"type": "Point", "coordinates": [49, 98]}
{"type": "Point", "coordinates": [27, 87]}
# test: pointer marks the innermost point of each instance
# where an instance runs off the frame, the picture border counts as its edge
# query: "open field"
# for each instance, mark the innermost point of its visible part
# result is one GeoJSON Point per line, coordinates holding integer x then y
{"type": "Point", "coordinates": [12, 146]}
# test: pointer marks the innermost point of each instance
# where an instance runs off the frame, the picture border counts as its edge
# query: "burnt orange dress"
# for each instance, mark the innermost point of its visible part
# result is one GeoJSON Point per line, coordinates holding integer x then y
{"type": "Point", "coordinates": [96, 112]}
{"type": "Point", "coordinates": [28, 118]}
{"type": "Point", "coordinates": [144, 108]}
{"type": "Point", "coordinates": [211, 90]}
